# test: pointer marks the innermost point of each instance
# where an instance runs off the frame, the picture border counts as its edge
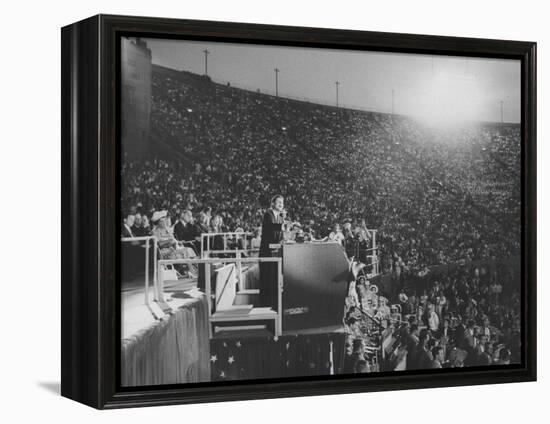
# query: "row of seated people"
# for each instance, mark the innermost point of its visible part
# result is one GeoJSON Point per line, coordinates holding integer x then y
{"type": "Point", "coordinates": [181, 240]}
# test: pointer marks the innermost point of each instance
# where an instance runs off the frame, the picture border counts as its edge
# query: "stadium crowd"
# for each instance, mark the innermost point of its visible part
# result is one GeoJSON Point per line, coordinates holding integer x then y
{"type": "Point", "coordinates": [466, 315]}
{"type": "Point", "coordinates": [436, 196]}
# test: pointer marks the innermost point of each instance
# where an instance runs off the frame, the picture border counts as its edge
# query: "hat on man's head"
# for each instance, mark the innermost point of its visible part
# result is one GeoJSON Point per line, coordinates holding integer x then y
{"type": "Point", "coordinates": [158, 215]}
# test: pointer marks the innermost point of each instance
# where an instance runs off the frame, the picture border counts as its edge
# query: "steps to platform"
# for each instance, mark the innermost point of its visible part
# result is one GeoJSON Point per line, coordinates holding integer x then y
{"type": "Point", "coordinates": [252, 314]}
{"type": "Point", "coordinates": [247, 297]}
{"type": "Point", "coordinates": [243, 318]}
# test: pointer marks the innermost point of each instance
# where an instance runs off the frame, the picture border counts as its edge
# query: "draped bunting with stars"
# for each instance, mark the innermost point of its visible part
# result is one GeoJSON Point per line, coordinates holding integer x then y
{"type": "Point", "coordinates": [264, 357]}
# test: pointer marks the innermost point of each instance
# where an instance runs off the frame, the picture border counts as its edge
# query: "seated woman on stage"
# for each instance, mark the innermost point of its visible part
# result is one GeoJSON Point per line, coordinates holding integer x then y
{"type": "Point", "coordinates": [202, 223]}
{"type": "Point", "coordinates": [168, 245]}
{"type": "Point", "coordinates": [257, 239]}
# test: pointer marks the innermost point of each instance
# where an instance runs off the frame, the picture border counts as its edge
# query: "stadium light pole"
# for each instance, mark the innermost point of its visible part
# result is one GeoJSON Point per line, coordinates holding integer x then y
{"type": "Point", "coordinates": [276, 82]}
{"type": "Point", "coordinates": [206, 53]}
{"type": "Point", "coordinates": [337, 83]}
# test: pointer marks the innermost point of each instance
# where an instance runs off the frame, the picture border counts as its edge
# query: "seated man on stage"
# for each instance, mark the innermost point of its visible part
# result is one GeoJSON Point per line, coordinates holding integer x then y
{"type": "Point", "coordinates": [188, 232]}
{"type": "Point", "coordinates": [272, 233]}
{"type": "Point", "coordinates": [131, 252]}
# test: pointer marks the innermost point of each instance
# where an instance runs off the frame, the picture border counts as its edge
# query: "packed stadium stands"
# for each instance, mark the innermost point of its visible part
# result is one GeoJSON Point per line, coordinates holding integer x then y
{"type": "Point", "coordinates": [438, 196]}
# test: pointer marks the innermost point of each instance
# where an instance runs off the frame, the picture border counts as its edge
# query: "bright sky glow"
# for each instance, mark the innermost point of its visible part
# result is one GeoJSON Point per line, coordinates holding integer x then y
{"type": "Point", "coordinates": [441, 90]}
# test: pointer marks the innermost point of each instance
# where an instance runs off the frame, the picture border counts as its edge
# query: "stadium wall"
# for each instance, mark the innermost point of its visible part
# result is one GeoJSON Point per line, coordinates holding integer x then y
{"type": "Point", "coordinates": [136, 78]}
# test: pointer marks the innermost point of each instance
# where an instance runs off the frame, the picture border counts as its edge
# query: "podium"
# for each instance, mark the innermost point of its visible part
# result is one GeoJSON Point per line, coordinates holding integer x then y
{"type": "Point", "coordinates": [315, 285]}
{"type": "Point", "coordinates": [306, 283]}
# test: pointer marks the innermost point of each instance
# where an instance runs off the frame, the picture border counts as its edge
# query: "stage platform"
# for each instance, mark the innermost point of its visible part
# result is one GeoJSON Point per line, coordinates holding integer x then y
{"type": "Point", "coordinates": [177, 341]}
{"type": "Point", "coordinates": [169, 350]}
{"type": "Point", "coordinates": [251, 355]}
{"type": "Point", "coordinates": [136, 315]}
{"type": "Point", "coordinates": [336, 329]}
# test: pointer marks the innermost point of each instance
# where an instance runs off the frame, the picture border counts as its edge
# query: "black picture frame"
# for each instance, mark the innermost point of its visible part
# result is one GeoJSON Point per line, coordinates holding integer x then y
{"type": "Point", "coordinates": [90, 216]}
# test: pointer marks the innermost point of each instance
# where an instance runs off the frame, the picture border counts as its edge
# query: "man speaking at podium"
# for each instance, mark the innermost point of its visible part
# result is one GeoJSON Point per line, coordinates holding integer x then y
{"type": "Point", "coordinates": [272, 233]}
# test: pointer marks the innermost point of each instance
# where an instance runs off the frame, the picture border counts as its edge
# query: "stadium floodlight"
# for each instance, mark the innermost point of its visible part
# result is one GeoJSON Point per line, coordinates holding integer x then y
{"type": "Point", "coordinates": [277, 82]}
{"type": "Point", "coordinates": [206, 53]}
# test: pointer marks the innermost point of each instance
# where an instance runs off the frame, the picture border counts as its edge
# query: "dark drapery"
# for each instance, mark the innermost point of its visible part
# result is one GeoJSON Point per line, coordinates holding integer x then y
{"type": "Point", "coordinates": [263, 357]}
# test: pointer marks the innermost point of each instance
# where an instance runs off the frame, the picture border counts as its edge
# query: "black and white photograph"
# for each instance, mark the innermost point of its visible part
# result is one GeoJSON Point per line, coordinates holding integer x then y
{"type": "Point", "coordinates": [290, 212]}
{"type": "Point", "coordinates": [298, 212]}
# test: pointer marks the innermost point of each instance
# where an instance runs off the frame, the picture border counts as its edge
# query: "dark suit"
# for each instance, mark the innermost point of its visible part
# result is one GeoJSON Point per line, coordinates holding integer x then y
{"type": "Point", "coordinates": [200, 230]}
{"type": "Point", "coordinates": [419, 358]}
{"type": "Point", "coordinates": [459, 335]}
{"type": "Point", "coordinates": [185, 232]}
{"type": "Point", "coordinates": [272, 233]}
{"type": "Point", "coordinates": [141, 231]}
{"type": "Point", "coordinates": [188, 233]}
{"type": "Point", "coordinates": [484, 359]}
{"type": "Point", "coordinates": [126, 232]}
{"type": "Point", "coordinates": [470, 344]}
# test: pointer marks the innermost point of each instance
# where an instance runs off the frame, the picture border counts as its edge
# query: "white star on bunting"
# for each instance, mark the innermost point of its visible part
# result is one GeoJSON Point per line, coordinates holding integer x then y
{"type": "Point", "coordinates": [231, 359]}
{"type": "Point", "coordinates": [213, 358]}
